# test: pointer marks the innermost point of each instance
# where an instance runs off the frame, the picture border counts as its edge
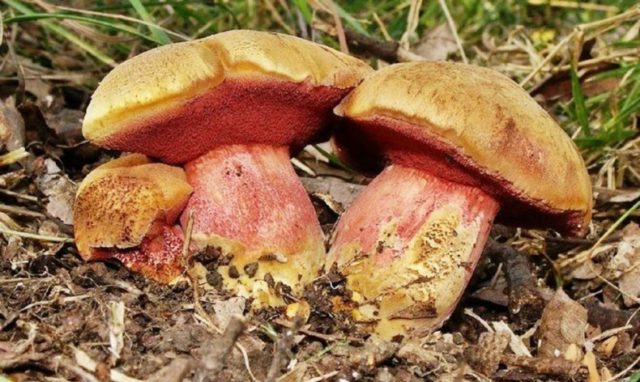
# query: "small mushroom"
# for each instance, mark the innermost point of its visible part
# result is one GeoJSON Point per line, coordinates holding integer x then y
{"type": "Point", "coordinates": [127, 209]}
{"type": "Point", "coordinates": [462, 144]}
{"type": "Point", "coordinates": [232, 108]}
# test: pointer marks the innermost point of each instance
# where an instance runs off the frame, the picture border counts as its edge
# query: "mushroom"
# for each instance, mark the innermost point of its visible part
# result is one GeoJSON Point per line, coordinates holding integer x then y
{"type": "Point", "coordinates": [127, 209]}
{"type": "Point", "coordinates": [232, 108]}
{"type": "Point", "coordinates": [462, 144]}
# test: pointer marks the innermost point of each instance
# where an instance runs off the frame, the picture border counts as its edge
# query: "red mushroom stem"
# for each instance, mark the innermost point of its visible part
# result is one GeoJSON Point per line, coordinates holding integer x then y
{"type": "Point", "coordinates": [409, 244]}
{"type": "Point", "coordinates": [249, 203]}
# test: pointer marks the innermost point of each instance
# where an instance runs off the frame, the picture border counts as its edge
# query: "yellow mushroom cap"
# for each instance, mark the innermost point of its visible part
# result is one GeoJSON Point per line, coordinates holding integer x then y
{"type": "Point", "coordinates": [118, 202]}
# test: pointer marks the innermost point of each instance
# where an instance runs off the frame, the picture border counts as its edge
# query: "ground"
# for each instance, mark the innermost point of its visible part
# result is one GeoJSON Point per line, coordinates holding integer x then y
{"type": "Point", "coordinates": [539, 307]}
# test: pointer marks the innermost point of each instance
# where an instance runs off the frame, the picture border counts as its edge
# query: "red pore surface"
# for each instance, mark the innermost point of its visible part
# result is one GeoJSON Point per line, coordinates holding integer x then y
{"type": "Point", "coordinates": [237, 111]}
{"type": "Point", "coordinates": [374, 142]}
{"type": "Point", "coordinates": [158, 257]}
{"type": "Point", "coordinates": [249, 197]}
{"type": "Point", "coordinates": [408, 245]}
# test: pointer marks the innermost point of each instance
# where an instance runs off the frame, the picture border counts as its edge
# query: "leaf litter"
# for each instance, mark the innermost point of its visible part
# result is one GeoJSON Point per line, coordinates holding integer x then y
{"type": "Point", "coordinates": [63, 319]}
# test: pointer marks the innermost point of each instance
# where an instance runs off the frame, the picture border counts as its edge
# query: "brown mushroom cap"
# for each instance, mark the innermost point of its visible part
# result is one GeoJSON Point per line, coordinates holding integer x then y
{"type": "Point", "coordinates": [179, 101]}
{"type": "Point", "coordinates": [118, 202]}
{"type": "Point", "coordinates": [474, 126]}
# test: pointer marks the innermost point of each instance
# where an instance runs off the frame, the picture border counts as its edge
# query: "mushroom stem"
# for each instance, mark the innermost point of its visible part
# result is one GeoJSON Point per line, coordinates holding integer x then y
{"type": "Point", "coordinates": [249, 204]}
{"type": "Point", "coordinates": [408, 246]}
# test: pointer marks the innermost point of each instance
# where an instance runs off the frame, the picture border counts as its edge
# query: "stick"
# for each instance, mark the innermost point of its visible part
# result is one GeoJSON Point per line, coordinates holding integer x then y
{"type": "Point", "coordinates": [282, 348]}
{"type": "Point", "coordinates": [216, 355]}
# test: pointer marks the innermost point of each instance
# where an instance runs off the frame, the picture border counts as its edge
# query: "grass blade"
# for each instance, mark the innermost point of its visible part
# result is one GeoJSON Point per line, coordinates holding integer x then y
{"type": "Point", "coordinates": [64, 33]}
{"type": "Point", "coordinates": [582, 116]}
{"type": "Point", "coordinates": [158, 34]}
{"type": "Point", "coordinates": [304, 9]}
{"type": "Point", "coordinates": [65, 16]}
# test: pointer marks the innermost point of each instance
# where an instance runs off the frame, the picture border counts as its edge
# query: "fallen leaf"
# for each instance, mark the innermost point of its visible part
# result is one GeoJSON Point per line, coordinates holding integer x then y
{"type": "Point", "coordinates": [625, 265]}
{"type": "Point", "coordinates": [59, 190]}
{"type": "Point", "coordinates": [226, 309]}
{"type": "Point", "coordinates": [11, 126]}
{"type": "Point", "coordinates": [485, 356]}
{"type": "Point", "coordinates": [336, 193]}
{"type": "Point", "coordinates": [175, 371]}
{"type": "Point", "coordinates": [563, 323]}
{"type": "Point", "coordinates": [436, 44]}
{"type": "Point", "coordinates": [415, 354]}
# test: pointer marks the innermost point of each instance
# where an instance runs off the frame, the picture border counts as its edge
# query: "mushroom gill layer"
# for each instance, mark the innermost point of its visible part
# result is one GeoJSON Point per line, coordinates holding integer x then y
{"type": "Point", "coordinates": [408, 246]}
{"type": "Point", "coordinates": [178, 101]}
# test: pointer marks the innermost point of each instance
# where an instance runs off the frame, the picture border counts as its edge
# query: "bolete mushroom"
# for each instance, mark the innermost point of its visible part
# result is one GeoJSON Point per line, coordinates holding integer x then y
{"type": "Point", "coordinates": [461, 144]}
{"type": "Point", "coordinates": [233, 107]}
{"type": "Point", "coordinates": [128, 209]}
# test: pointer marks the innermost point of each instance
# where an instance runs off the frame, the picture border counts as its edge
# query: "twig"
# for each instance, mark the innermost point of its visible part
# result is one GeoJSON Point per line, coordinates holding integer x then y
{"type": "Point", "coordinates": [34, 236]}
{"type": "Point", "coordinates": [282, 348]}
{"type": "Point", "coordinates": [575, 5]}
{"type": "Point", "coordinates": [216, 355]}
{"type": "Point", "coordinates": [175, 371]}
{"type": "Point", "coordinates": [196, 297]}
{"type": "Point", "coordinates": [470, 313]}
{"type": "Point", "coordinates": [322, 336]}
{"type": "Point", "coordinates": [608, 319]}
{"type": "Point", "coordinates": [389, 51]}
{"type": "Point", "coordinates": [578, 30]}
{"type": "Point", "coordinates": [525, 298]}
{"type": "Point", "coordinates": [608, 333]}
{"type": "Point", "coordinates": [13, 156]}
{"type": "Point", "coordinates": [454, 29]}
{"type": "Point", "coordinates": [588, 254]}
{"type": "Point", "coordinates": [19, 195]}
{"type": "Point", "coordinates": [625, 371]}
{"type": "Point", "coordinates": [559, 367]}
{"type": "Point", "coordinates": [14, 210]}
{"type": "Point", "coordinates": [323, 377]}
{"type": "Point", "coordinates": [66, 363]}
{"type": "Point", "coordinates": [548, 58]}
{"type": "Point", "coordinates": [193, 279]}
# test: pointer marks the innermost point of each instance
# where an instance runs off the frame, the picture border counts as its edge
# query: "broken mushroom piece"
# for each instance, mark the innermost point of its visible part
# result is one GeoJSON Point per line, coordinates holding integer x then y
{"type": "Point", "coordinates": [462, 144]}
{"type": "Point", "coordinates": [127, 209]}
{"type": "Point", "coordinates": [233, 107]}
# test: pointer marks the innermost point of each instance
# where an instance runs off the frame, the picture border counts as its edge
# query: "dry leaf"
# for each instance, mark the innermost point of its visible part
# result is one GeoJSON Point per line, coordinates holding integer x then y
{"type": "Point", "coordinates": [485, 356]}
{"type": "Point", "coordinates": [625, 265]}
{"type": "Point", "coordinates": [226, 309]}
{"type": "Point", "coordinates": [436, 44]}
{"type": "Point", "coordinates": [60, 192]}
{"type": "Point", "coordinates": [11, 126]}
{"type": "Point", "coordinates": [515, 342]}
{"type": "Point", "coordinates": [563, 323]}
{"type": "Point", "coordinates": [336, 193]}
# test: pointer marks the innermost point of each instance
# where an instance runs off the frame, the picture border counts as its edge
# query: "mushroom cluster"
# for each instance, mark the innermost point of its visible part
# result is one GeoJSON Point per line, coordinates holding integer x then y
{"type": "Point", "coordinates": [460, 145]}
